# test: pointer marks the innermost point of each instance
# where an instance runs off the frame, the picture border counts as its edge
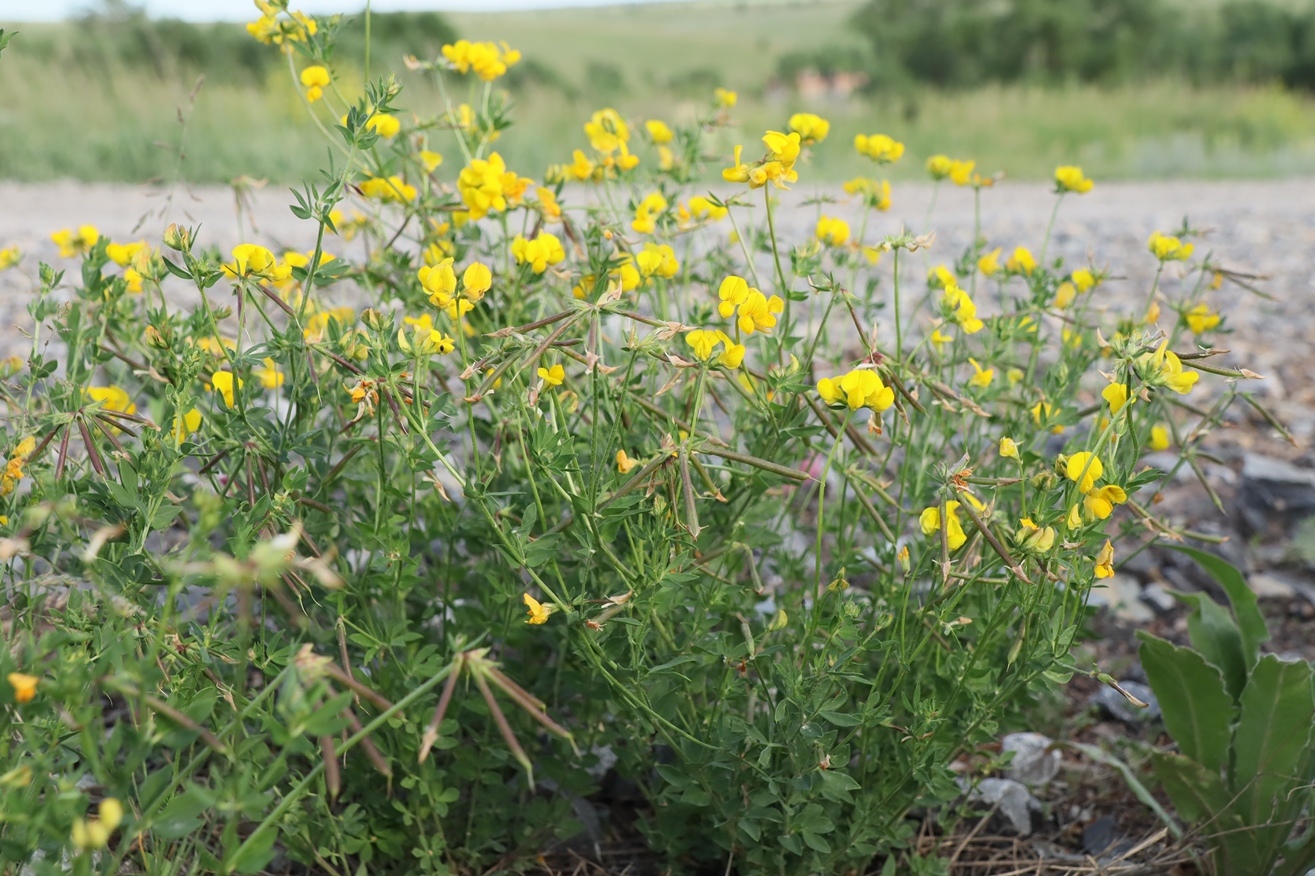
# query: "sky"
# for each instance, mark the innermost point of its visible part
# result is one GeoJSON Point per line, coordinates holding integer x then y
{"type": "Point", "coordinates": [245, 10]}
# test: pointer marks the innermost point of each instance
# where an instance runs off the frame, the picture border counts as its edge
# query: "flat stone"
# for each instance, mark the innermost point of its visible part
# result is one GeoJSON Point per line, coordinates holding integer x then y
{"type": "Point", "coordinates": [1158, 597]}
{"type": "Point", "coordinates": [1267, 586]}
{"type": "Point", "coordinates": [1014, 803]}
{"type": "Point", "coordinates": [1122, 595]}
{"type": "Point", "coordinates": [1035, 762]}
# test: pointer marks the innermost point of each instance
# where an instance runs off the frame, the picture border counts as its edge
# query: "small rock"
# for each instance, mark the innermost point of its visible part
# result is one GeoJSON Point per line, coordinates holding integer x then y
{"type": "Point", "coordinates": [1122, 594]}
{"type": "Point", "coordinates": [1113, 703]}
{"type": "Point", "coordinates": [1014, 803]}
{"type": "Point", "coordinates": [1157, 596]}
{"type": "Point", "coordinates": [1097, 836]}
{"type": "Point", "coordinates": [1274, 488]}
{"type": "Point", "coordinates": [1035, 763]}
{"type": "Point", "coordinates": [1267, 586]}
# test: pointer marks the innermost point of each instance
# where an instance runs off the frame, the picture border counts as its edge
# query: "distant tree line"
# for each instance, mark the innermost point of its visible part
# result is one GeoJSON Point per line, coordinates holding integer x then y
{"type": "Point", "coordinates": [955, 43]}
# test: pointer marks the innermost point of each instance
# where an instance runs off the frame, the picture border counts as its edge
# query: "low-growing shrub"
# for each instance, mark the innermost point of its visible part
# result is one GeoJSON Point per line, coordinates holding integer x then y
{"type": "Point", "coordinates": [383, 556]}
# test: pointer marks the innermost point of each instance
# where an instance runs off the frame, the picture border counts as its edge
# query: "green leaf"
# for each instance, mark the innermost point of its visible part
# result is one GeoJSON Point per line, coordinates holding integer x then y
{"type": "Point", "coordinates": [1249, 619]}
{"type": "Point", "coordinates": [183, 814]}
{"type": "Point", "coordinates": [1271, 738]}
{"type": "Point", "coordinates": [1197, 709]}
{"type": "Point", "coordinates": [1198, 795]}
{"type": "Point", "coordinates": [1216, 636]}
{"type": "Point", "coordinates": [255, 854]}
{"type": "Point", "coordinates": [841, 719]}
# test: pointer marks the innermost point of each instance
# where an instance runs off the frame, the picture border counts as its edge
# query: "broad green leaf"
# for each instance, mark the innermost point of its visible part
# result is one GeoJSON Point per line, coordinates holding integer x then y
{"type": "Point", "coordinates": [1272, 734]}
{"type": "Point", "coordinates": [1200, 797]}
{"type": "Point", "coordinates": [1197, 710]}
{"type": "Point", "coordinates": [1250, 621]}
{"type": "Point", "coordinates": [1215, 635]}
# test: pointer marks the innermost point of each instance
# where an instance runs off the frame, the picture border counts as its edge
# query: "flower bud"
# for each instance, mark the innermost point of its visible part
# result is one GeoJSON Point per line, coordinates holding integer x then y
{"type": "Point", "coordinates": [374, 320]}
{"type": "Point", "coordinates": [178, 237]}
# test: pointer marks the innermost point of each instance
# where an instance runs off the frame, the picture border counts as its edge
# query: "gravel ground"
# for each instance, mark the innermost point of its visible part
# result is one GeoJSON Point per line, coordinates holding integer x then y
{"type": "Point", "coordinates": [1256, 227]}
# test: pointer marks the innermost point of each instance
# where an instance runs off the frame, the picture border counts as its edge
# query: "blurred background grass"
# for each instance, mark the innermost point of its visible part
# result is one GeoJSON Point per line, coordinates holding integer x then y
{"type": "Point", "coordinates": [1127, 88]}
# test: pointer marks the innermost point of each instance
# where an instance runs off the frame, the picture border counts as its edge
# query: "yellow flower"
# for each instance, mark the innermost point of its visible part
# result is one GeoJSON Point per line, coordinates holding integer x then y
{"type": "Point", "coordinates": [1168, 249]}
{"type": "Point", "coordinates": [1084, 279]}
{"type": "Point", "coordinates": [122, 254]}
{"type": "Point", "coordinates": [538, 253]}
{"type": "Point", "coordinates": [982, 377]}
{"type": "Point", "coordinates": [646, 214]}
{"type": "Point", "coordinates": [733, 292]}
{"type": "Point", "coordinates": [384, 125]}
{"type": "Point", "coordinates": [758, 312]}
{"type": "Point", "coordinates": [989, 264]}
{"type": "Point", "coordinates": [440, 281]}
{"type": "Point", "coordinates": [657, 259]}
{"type": "Point", "coordinates": [1084, 469]}
{"type": "Point", "coordinates": [9, 256]}
{"type": "Point", "coordinates": [702, 342]}
{"type": "Point", "coordinates": [625, 464]}
{"type": "Point", "coordinates": [1100, 502]}
{"type": "Point", "coordinates": [270, 376]}
{"type": "Point", "coordinates": [783, 150]}
{"type": "Point", "coordinates": [740, 172]}
{"type": "Point", "coordinates": [186, 424]}
{"type": "Point", "coordinates": [1074, 520]}
{"type": "Point", "coordinates": [222, 381]}
{"type": "Point", "coordinates": [487, 60]}
{"type": "Point", "coordinates": [658, 131]}
{"type": "Point", "coordinates": [71, 244]}
{"type": "Point", "coordinates": [134, 280]}
{"type": "Point", "coordinates": [1200, 319]}
{"type": "Point", "coordinates": [1008, 448]}
{"type": "Point", "coordinates": [724, 97]}
{"type": "Point", "coordinates": [810, 128]}
{"type": "Point", "coordinates": [1065, 294]}
{"type": "Point", "coordinates": [25, 686]}
{"type": "Point", "coordinates": [553, 376]}
{"type": "Point", "coordinates": [876, 194]}
{"type": "Point", "coordinates": [429, 160]}
{"type": "Point", "coordinates": [250, 260]}
{"type": "Point", "coordinates": [1117, 395]}
{"type": "Point", "coordinates": [392, 188]}
{"type": "Point", "coordinates": [476, 280]}
{"type": "Point", "coordinates": [95, 834]}
{"type": "Point", "coordinates": [1164, 368]}
{"type": "Point", "coordinates": [733, 354]}
{"type": "Point", "coordinates": [940, 339]}
{"type": "Point", "coordinates": [879, 147]}
{"type": "Point", "coordinates": [939, 166]}
{"type": "Point", "coordinates": [1105, 561]}
{"type": "Point", "coordinates": [1070, 179]}
{"type": "Point", "coordinates": [1152, 314]}
{"type": "Point", "coordinates": [962, 309]}
{"type": "Point", "coordinates": [1042, 411]}
{"type": "Point", "coordinates": [1014, 375]}
{"type": "Point", "coordinates": [112, 398]}
{"type": "Point", "coordinates": [701, 208]}
{"type": "Point", "coordinates": [486, 185]}
{"type": "Point", "coordinates": [1034, 539]}
{"type": "Point", "coordinates": [832, 232]}
{"type": "Point", "coordinates": [318, 324]}
{"type": "Point", "coordinates": [858, 389]}
{"type": "Point", "coordinates": [607, 131]}
{"type": "Point", "coordinates": [930, 521]}
{"type": "Point", "coordinates": [1159, 437]}
{"type": "Point", "coordinates": [1021, 262]}
{"type": "Point", "coordinates": [538, 612]}
{"type": "Point", "coordinates": [961, 172]}
{"type": "Point", "coordinates": [314, 79]}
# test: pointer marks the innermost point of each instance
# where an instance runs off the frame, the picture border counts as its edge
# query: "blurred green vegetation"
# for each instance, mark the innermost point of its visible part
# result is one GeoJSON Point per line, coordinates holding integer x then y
{"type": "Point", "coordinates": [967, 42]}
{"type": "Point", "coordinates": [101, 98]}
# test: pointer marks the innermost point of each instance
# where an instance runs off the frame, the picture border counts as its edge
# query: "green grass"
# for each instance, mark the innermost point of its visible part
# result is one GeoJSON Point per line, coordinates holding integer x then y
{"type": "Point", "coordinates": [122, 124]}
